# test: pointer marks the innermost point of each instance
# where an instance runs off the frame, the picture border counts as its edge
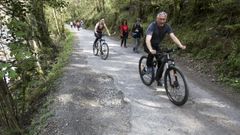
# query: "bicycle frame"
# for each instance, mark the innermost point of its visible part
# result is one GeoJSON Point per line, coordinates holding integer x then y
{"type": "Point", "coordinates": [102, 40]}
{"type": "Point", "coordinates": [175, 83]}
{"type": "Point", "coordinates": [164, 58]}
{"type": "Point", "coordinates": [167, 61]}
{"type": "Point", "coordinates": [102, 48]}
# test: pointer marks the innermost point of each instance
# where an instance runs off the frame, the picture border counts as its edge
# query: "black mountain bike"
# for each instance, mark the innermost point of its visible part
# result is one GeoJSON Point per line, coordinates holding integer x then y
{"type": "Point", "coordinates": [174, 81]}
{"type": "Point", "coordinates": [101, 47]}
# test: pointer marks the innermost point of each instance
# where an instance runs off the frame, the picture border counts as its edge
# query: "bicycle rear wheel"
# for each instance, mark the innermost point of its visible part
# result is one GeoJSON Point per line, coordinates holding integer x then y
{"type": "Point", "coordinates": [96, 48]}
{"type": "Point", "coordinates": [147, 77]}
{"type": "Point", "coordinates": [104, 51]}
{"type": "Point", "coordinates": [176, 86]}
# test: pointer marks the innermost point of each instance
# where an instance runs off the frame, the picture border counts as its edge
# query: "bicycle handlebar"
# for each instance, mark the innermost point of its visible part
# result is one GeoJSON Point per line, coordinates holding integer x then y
{"type": "Point", "coordinates": [104, 34]}
{"type": "Point", "coordinates": [168, 50]}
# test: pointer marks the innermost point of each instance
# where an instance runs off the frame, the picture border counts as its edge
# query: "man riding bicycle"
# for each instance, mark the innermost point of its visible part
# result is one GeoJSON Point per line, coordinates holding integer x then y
{"type": "Point", "coordinates": [99, 29]}
{"type": "Point", "coordinates": [155, 34]}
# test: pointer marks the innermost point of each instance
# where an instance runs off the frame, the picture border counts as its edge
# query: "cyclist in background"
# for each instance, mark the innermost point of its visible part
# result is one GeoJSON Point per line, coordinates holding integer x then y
{"type": "Point", "coordinates": [98, 31]}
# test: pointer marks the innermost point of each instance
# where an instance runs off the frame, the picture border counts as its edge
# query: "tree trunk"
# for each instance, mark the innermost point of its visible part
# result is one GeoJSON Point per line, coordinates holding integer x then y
{"type": "Point", "coordinates": [103, 5]}
{"type": "Point", "coordinates": [44, 36]}
{"type": "Point", "coordinates": [97, 5]}
{"type": "Point", "coordinates": [56, 22]}
{"type": "Point", "coordinates": [7, 116]}
{"type": "Point", "coordinates": [142, 9]}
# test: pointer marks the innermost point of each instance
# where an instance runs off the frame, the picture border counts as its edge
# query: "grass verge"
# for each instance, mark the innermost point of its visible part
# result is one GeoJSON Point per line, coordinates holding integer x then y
{"type": "Point", "coordinates": [39, 120]}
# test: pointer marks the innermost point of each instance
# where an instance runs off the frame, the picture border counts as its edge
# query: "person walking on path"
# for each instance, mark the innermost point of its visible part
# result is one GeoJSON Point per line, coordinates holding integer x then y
{"type": "Point", "coordinates": [124, 33]}
{"type": "Point", "coordinates": [137, 34]}
{"type": "Point", "coordinates": [71, 24]}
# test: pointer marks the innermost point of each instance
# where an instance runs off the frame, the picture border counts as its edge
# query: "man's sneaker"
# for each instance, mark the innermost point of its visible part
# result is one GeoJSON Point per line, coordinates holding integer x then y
{"type": "Point", "coordinates": [159, 83]}
{"type": "Point", "coordinates": [147, 70]}
{"type": "Point", "coordinates": [144, 70]}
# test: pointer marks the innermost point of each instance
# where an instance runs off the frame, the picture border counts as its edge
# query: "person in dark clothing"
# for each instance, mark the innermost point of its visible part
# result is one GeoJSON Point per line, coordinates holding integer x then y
{"type": "Point", "coordinates": [99, 27]}
{"type": "Point", "coordinates": [137, 34]}
{"type": "Point", "coordinates": [78, 25]}
{"type": "Point", "coordinates": [74, 24]}
{"type": "Point", "coordinates": [124, 33]}
{"type": "Point", "coordinates": [155, 34]}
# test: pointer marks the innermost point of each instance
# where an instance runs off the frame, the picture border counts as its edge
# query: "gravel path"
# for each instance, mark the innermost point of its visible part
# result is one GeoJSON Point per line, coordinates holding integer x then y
{"type": "Point", "coordinates": [97, 97]}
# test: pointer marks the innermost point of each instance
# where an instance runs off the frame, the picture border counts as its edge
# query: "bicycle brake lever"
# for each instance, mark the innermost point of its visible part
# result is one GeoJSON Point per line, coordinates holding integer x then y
{"type": "Point", "coordinates": [176, 49]}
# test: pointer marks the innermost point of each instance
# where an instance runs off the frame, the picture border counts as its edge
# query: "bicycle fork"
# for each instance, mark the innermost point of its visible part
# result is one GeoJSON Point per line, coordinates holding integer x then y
{"type": "Point", "coordinates": [174, 79]}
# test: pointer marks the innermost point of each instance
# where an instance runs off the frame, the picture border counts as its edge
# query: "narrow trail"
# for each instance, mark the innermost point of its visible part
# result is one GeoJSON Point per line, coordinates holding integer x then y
{"type": "Point", "coordinates": [97, 97]}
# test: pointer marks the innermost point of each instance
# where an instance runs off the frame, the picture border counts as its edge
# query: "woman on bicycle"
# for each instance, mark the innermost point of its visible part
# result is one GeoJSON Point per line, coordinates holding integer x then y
{"type": "Point", "coordinates": [155, 34]}
{"type": "Point", "coordinates": [99, 27]}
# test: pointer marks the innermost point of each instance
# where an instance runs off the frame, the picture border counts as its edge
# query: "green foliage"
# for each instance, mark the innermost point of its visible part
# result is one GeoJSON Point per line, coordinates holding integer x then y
{"type": "Point", "coordinates": [234, 82]}
{"type": "Point", "coordinates": [62, 57]}
{"type": "Point", "coordinates": [33, 54]}
{"type": "Point", "coordinates": [4, 67]}
{"type": "Point", "coordinates": [39, 121]}
{"type": "Point", "coordinates": [210, 31]}
{"type": "Point", "coordinates": [56, 3]}
{"type": "Point", "coordinates": [233, 28]}
{"type": "Point", "coordinates": [37, 124]}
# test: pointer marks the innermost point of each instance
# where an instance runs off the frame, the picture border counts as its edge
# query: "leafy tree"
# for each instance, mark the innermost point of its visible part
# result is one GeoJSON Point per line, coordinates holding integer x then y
{"type": "Point", "coordinates": [32, 51]}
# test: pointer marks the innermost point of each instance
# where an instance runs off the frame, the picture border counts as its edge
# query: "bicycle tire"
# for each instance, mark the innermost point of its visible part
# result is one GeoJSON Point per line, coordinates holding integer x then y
{"type": "Point", "coordinates": [175, 85]}
{"type": "Point", "coordinates": [95, 48]}
{"type": "Point", "coordinates": [104, 51]}
{"type": "Point", "coordinates": [141, 66]}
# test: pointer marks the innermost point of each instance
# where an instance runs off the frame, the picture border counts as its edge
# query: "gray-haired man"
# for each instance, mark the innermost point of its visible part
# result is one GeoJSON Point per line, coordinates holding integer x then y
{"type": "Point", "coordinates": [155, 34]}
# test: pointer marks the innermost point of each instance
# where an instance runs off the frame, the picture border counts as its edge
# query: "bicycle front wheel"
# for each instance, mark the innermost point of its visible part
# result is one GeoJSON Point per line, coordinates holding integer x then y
{"type": "Point", "coordinates": [146, 76]}
{"type": "Point", "coordinates": [104, 51]}
{"type": "Point", "coordinates": [176, 86]}
{"type": "Point", "coordinates": [96, 48]}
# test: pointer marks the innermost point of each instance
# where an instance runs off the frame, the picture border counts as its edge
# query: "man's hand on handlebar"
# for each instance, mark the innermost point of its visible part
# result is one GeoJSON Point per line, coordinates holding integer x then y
{"type": "Point", "coordinates": [153, 51]}
{"type": "Point", "coordinates": [108, 34]}
{"type": "Point", "coordinates": [183, 47]}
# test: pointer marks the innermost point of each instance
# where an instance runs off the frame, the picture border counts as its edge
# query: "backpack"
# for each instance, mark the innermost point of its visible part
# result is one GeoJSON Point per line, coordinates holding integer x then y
{"type": "Point", "coordinates": [137, 27]}
{"type": "Point", "coordinates": [134, 34]}
{"type": "Point", "coordinates": [136, 31]}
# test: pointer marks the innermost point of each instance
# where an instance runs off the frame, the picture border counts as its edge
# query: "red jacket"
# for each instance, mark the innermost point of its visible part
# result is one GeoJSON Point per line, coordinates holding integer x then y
{"type": "Point", "coordinates": [124, 28]}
